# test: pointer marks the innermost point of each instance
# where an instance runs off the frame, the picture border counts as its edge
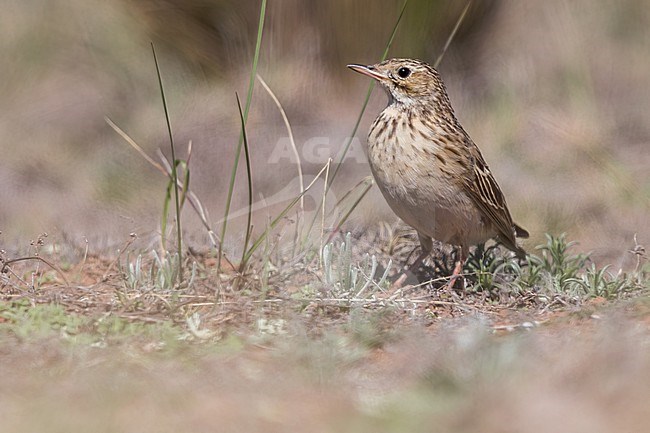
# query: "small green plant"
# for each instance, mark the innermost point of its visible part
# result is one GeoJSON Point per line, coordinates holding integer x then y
{"type": "Point", "coordinates": [26, 320]}
{"type": "Point", "coordinates": [555, 271]}
{"type": "Point", "coordinates": [557, 262]}
{"type": "Point", "coordinates": [345, 277]}
{"type": "Point", "coordinates": [558, 271]}
{"type": "Point", "coordinates": [596, 282]}
{"type": "Point", "coordinates": [160, 274]}
{"type": "Point", "coordinates": [489, 269]}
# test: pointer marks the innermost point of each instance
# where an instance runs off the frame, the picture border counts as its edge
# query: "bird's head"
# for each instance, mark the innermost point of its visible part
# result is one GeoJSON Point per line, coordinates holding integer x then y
{"type": "Point", "coordinates": [407, 81]}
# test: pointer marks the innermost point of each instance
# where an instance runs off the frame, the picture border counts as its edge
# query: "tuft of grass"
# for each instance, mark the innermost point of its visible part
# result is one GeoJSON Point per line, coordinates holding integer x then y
{"type": "Point", "coordinates": [275, 221]}
{"type": "Point", "coordinates": [487, 267]}
{"type": "Point", "coordinates": [166, 169]}
{"type": "Point", "coordinates": [160, 274]}
{"type": "Point", "coordinates": [247, 252]}
{"type": "Point", "coordinates": [602, 283]}
{"type": "Point", "coordinates": [555, 271]}
{"type": "Point", "coordinates": [347, 279]}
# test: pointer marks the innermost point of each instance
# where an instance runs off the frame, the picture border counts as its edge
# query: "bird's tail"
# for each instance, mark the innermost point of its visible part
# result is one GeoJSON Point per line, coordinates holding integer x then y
{"type": "Point", "coordinates": [521, 232]}
{"type": "Point", "coordinates": [511, 243]}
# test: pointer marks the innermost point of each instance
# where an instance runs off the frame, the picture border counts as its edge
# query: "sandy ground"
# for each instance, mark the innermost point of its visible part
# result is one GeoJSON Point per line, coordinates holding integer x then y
{"type": "Point", "coordinates": [584, 371]}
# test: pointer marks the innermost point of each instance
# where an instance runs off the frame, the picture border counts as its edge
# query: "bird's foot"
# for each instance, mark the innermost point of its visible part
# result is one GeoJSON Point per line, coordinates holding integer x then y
{"type": "Point", "coordinates": [457, 275]}
{"type": "Point", "coordinates": [401, 283]}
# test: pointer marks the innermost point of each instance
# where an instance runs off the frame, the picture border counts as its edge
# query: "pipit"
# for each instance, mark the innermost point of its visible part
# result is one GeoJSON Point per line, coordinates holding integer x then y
{"type": "Point", "coordinates": [427, 167]}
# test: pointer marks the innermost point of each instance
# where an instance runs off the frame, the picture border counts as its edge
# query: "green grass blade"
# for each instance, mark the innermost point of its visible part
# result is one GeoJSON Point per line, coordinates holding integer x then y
{"type": "Point", "coordinates": [249, 97]}
{"type": "Point", "coordinates": [342, 221]}
{"type": "Point", "coordinates": [186, 182]}
{"type": "Point", "coordinates": [453, 34]}
{"type": "Point", "coordinates": [281, 215]}
{"type": "Point", "coordinates": [371, 86]}
{"type": "Point", "coordinates": [285, 119]}
{"type": "Point", "coordinates": [242, 264]}
{"type": "Point", "coordinates": [165, 213]}
{"type": "Point", "coordinates": [174, 174]}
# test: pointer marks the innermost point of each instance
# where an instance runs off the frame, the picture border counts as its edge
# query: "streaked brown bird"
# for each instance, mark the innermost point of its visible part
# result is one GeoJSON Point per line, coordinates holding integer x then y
{"type": "Point", "coordinates": [427, 167]}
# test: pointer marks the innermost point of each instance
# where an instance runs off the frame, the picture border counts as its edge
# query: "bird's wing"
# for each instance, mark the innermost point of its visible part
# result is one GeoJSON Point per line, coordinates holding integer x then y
{"type": "Point", "coordinates": [484, 190]}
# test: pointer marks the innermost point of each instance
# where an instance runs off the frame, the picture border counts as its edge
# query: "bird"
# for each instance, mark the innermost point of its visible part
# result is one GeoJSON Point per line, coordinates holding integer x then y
{"type": "Point", "coordinates": [429, 170]}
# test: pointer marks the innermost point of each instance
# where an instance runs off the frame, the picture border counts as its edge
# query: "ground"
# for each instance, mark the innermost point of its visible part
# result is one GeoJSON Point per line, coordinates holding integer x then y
{"type": "Point", "coordinates": [87, 346]}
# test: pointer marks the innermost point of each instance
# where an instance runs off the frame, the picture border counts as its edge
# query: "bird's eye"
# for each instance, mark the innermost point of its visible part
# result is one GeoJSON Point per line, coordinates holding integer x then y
{"type": "Point", "coordinates": [403, 72]}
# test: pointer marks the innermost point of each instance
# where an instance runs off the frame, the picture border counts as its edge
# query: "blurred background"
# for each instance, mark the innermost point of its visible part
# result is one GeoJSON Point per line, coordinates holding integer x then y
{"type": "Point", "coordinates": [556, 94]}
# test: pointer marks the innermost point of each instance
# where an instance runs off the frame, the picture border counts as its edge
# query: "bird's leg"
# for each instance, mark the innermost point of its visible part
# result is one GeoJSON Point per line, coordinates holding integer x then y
{"type": "Point", "coordinates": [458, 269]}
{"type": "Point", "coordinates": [427, 245]}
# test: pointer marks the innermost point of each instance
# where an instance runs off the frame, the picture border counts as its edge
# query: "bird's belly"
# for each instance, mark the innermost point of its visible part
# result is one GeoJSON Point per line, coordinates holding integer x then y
{"type": "Point", "coordinates": [436, 209]}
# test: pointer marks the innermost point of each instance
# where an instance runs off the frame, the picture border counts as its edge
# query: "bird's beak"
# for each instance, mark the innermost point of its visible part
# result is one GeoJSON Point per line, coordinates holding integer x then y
{"type": "Point", "coordinates": [369, 71]}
